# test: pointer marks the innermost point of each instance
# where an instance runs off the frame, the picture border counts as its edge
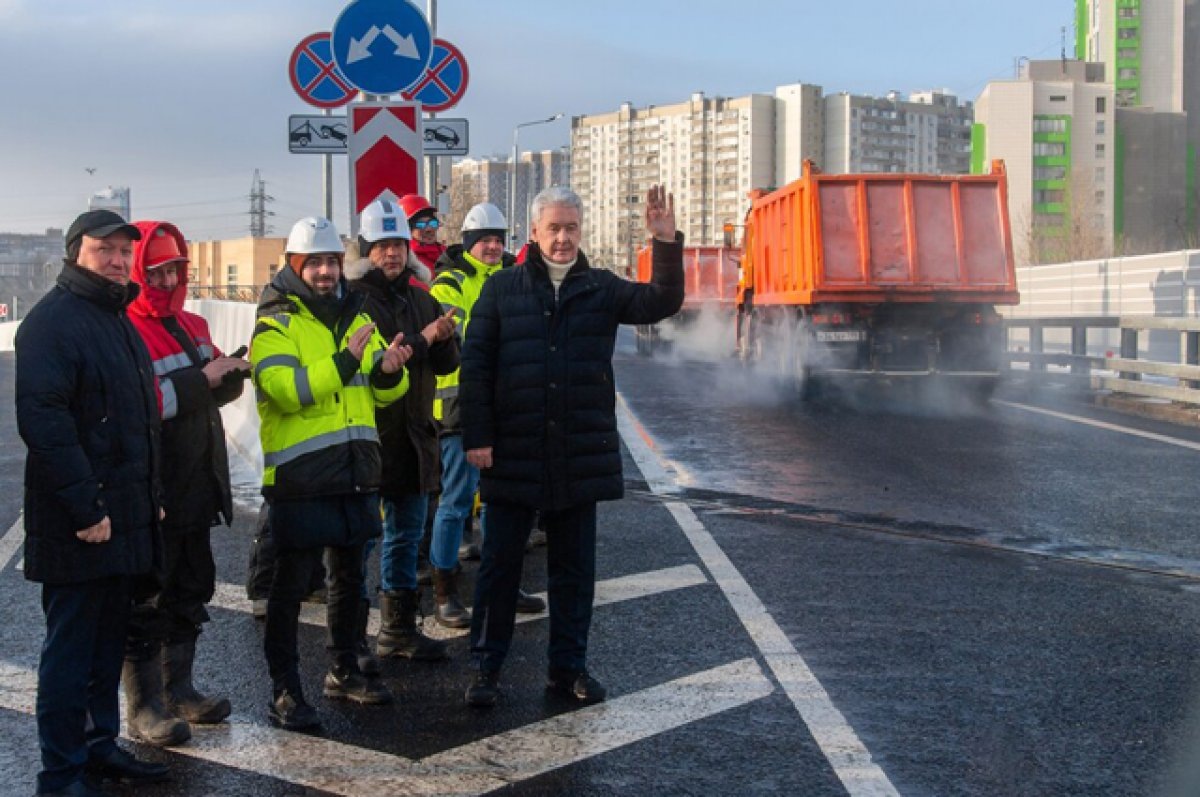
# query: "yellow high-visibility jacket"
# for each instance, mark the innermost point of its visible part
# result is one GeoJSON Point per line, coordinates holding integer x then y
{"type": "Point", "coordinates": [457, 286]}
{"type": "Point", "coordinates": [315, 403]}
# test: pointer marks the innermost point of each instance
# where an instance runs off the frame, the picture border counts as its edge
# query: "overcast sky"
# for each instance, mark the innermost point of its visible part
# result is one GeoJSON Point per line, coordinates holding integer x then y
{"type": "Point", "coordinates": [182, 101]}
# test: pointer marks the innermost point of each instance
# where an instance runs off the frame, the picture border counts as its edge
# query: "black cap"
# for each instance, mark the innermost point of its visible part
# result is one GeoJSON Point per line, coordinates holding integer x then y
{"type": "Point", "coordinates": [98, 224]}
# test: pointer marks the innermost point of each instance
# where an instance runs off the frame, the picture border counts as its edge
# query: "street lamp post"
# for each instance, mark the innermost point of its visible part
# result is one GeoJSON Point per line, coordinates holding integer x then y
{"type": "Point", "coordinates": [512, 184]}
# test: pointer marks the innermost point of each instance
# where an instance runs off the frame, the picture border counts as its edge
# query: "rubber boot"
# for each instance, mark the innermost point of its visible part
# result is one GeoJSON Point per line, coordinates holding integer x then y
{"type": "Point", "coordinates": [399, 633]}
{"type": "Point", "coordinates": [367, 663]}
{"type": "Point", "coordinates": [345, 681]}
{"type": "Point", "coordinates": [181, 697]}
{"type": "Point", "coordinates": [450, 611]}
{"type": "Point", "coordinates": [146, 715]}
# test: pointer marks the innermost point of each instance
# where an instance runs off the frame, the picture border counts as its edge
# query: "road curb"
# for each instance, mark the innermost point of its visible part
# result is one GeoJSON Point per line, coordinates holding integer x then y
{"type": "Point", "coordinates": [1182, 414]}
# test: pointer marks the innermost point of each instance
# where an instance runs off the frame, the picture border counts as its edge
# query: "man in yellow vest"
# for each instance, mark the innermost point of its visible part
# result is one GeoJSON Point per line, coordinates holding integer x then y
{"type": "Point", "coordinates": [321, 369]}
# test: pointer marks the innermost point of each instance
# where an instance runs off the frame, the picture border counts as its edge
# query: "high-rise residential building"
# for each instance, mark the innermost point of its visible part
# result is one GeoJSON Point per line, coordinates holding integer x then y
{"type": "Point", "coordinates": [114, 199]}
{"type": "Point", "coordinates": [930, 133]}
{"type": "Point", "coordinates": [1142, 45]}
{"type": "Point", "coordinates": [709, 152]}
{"type": "Point", "coordinates": [487, 180]}
{"type": "Point", "coordinates": [234, 268]}
{"type": "Point", "coordinates": [1053, 128]}
{"type": "Point", "coordinates": [799, 131]}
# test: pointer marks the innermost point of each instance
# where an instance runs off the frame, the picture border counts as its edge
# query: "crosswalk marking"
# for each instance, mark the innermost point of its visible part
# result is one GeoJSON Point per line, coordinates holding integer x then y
{"type": "Point", "coordinates": [232, 597]}
{"type": "Point", "coordinates": [12, 540]}
{"type": "Point", "coordinates": [474, 768]}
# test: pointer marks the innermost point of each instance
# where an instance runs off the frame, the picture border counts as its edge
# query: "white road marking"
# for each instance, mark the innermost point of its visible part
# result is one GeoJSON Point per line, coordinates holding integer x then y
{"type": "Point", "coordinates": [1112, 427]}
{"type": "Point", "coordinates": [232, 597]}
{"type": "Point", "coordinates": [847, 755]}
{"type": "Point", "coordinates": [11, 542]}
{"type": "Point", "coordinates": [474, 768]}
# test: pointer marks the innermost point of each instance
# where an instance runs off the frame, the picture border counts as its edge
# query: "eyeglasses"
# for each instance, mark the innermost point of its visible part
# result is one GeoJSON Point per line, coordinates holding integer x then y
{"type": "Point", "coordinates": [426, 224]}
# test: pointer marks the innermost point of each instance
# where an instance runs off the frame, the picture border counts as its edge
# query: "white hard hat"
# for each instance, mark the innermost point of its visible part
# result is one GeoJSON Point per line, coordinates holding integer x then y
{"type": "Point", "coordinates": [314, 235]}
{"type": "Point", "coordinates": [383, 219]}
{"type": "Point", "coordinates": [484, 216]}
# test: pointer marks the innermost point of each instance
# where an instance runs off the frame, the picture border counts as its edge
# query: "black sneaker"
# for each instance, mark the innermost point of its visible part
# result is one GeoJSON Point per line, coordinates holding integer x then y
{"type": "Point", "coordinates": [576, 685]}
{"type": "Point", "coordinates": [529, 604]}
{"type": "Point", "coordinates": [347, 684]}
{"type": "Point", "coordinates": [484, 691]}
{"type": "Point", "coordinates": [290, 712]}
{"type": "Point", "coordinates": [122, 767]}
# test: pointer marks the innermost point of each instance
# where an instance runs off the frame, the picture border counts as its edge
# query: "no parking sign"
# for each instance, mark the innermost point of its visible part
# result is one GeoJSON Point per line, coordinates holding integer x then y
{"type": "Point", "coordinates": [315, 76]}
{"type": "Point", "coordinates": [444, 81]}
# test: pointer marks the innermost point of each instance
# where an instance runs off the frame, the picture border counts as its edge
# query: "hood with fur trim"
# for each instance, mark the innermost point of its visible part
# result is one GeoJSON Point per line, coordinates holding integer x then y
{"type": "Point", "coordinates": [356, 268]}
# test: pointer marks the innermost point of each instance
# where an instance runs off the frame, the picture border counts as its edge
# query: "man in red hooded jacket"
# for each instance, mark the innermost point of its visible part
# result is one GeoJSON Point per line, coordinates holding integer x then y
{"type": "Point", "coordinates": [194, 379]}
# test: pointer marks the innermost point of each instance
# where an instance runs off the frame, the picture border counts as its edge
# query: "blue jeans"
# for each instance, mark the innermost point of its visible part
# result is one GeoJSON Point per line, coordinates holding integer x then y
{"type": "Point", "coordinates": [403, 525]}
{"type": "Point", "coordinates": [571, 583]}
{"type": "Point", "coordinates": [459, 481]}
{"type": "Point", "coordinates": [78, 712]}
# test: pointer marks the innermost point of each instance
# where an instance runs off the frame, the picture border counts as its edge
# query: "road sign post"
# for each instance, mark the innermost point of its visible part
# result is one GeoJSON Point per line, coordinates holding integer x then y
{"type": "Point", "coordinates": [384, 153]}
{"type": "Point", "coordinates": [382, 46]}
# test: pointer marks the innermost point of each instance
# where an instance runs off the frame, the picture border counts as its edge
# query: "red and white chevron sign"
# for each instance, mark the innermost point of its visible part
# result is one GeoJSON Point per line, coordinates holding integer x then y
{"type": "Point", "coordinates": [384, 153]}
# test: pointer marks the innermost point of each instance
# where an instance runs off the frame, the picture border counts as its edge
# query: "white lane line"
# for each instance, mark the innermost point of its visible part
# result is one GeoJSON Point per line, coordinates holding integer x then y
{"type": "Point", "coordinates": [11, 542]}
{"type": "Point", "coordinates": [475, 768]}
{"type": "Point", "coordinates": [1111, 427]}
{"type": "Point", "coordinates": [232, 597]}
{"type": "Point", "coordinates": [847, 755]}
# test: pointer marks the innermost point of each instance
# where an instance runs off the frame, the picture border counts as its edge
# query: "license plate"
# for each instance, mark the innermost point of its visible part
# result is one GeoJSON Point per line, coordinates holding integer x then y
{"type": "Point", "coordinates": [841, 335]}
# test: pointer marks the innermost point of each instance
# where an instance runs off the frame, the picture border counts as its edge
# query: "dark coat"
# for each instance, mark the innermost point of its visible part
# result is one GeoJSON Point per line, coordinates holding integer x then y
{"type": "Point", "coordinates": [88, 413]}
{"type": "Point", "coordinates": [407, 431]}
{"type": "Point", "coordinates": [537, 380]}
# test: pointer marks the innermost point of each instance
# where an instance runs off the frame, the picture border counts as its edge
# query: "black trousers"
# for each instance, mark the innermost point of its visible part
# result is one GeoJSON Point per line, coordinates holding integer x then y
{"type": "Point", "coordinates": [171, 609]}
{"type": "Point", "coordinates": [78, 711]}
{"type": "Point", "coordinates": [261, 571]}
{"type": "Point", "coordinates": [571, 582]}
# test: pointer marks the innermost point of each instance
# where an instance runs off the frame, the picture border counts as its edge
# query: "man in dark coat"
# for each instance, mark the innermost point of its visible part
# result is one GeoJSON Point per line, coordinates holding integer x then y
{"type": "Point", "coordinates": [537, 404]}
{"type": "Point", "coordinates": [88, 413]}
{"type": "Point", "coordinates": [195, 379]}
{"type": "Point", "coordinates": [407, 432]}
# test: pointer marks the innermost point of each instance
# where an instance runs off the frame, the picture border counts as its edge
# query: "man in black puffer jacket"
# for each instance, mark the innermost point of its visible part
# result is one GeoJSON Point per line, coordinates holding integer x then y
{"type": "Point", "coordinates": [537, 403]}
{"type": "Point", "coordinates": [88, 412]}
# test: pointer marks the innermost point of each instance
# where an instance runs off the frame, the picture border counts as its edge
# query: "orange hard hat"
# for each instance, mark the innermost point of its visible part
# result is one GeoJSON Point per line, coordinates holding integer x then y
{"type": "Point", "coordinates": [162, 248]}
{"type": "Point", "coordinates": [414, 204]}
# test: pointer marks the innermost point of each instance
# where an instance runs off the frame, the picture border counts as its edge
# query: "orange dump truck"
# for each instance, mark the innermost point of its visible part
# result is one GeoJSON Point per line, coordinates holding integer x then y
{"type": "Point", "coordinates": [711, 277]}
{"type": "Point", "coordinates": [878, 275]}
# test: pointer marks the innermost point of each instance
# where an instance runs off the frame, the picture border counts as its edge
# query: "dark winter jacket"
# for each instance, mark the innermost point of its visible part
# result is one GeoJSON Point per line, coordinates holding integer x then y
{"type": "Point", "coordinates": [407, 432]}
{"type": "Point", "coordinates": [88, 413]}
{"type": "Point", "coordinates": [195, 473]}
{"type": "Point", "coordinates": [537, 380]}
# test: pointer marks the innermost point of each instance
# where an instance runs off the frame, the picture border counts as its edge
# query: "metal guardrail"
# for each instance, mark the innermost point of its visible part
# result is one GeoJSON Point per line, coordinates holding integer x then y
{"type": "Point", "coordinates": [227, 293]}
{"type": "Point", "coordinates": [1129, 370]}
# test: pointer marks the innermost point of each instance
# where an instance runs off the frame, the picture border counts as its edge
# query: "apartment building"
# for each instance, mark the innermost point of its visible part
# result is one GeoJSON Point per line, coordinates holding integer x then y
{"type": "Point", "coordinates": [1053, 128]}
{"type": "Point", "coordinates": [928, 133]}
{"type": "Point", "coordinates": [709, 152]}
{"type": "Point", "coordinates": [487, 180]}
{"type": "Point", "coordinates": [236, 266]}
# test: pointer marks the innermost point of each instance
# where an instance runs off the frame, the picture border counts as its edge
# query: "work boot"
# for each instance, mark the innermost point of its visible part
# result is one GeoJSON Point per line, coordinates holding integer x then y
{"type": "Point", "coordinates": [290, 711]}
{"type": "Point", "coordinates": [450, 611]}
{"type": "Point", "coordinates": [484, 691]}
{"type": "Point", "coordinates": [367, 663]}
{"type": "Point", "coordinates": [149, 721]}
{"type": "Point", "coordinates": [399, 633]}
{"type": "Point", "coordinates": [182, 699]}
{"type": "Point", "coordinates": [80, 788]}
{"type": "Point", "coordinates": [344, 681]}
{"type": "Point", "coordinates": [529, 604]}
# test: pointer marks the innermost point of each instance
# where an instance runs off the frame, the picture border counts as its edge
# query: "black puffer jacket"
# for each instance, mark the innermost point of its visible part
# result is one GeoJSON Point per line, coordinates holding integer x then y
{"type": "Point", "coordinates": [537, 381]}
{"type": "Point", "coordinates": [88, 413]}
{"type": "Point", "coordinates": [407, 432]}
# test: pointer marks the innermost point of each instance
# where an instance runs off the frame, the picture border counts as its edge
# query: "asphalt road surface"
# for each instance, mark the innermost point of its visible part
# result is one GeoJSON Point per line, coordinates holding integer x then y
{"type": "Point", "coordinates": [865, 596]}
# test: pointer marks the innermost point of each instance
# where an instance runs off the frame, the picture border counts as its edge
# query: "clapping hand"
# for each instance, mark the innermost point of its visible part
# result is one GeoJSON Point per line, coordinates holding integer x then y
{"type": "Point", "coordinates": [660, 213]}
{"type": "Point", "coordinates": [395, 355]}
{"type": "Point", "coordinates": [442, 328]}
{"type": "Point", "coordinates": [359, 340]}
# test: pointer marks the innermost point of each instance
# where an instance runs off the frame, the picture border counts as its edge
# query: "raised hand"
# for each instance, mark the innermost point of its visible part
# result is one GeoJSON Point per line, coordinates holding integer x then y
{"type": "Point", "coordinates": [660, 213]}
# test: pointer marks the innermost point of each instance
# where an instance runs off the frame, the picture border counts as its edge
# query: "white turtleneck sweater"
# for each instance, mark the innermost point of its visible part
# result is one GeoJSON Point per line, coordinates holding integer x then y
{"type": "Point", "coordinates": [558, 272]}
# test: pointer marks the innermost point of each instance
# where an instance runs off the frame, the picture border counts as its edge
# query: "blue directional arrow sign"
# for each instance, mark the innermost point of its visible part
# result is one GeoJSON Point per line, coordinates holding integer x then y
{"type": "Point", "coordinates": [382, 46]}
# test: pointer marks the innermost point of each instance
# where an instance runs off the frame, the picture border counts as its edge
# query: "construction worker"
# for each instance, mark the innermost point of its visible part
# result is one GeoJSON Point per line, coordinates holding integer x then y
{"type": "Point", "coordinates": [321, 369]}
{"type": "Point", "coordinates": [423, 223]}
{"type": "Point", "coordinates": [195, 379]}
{"type": "Point", "coordinates": [411, 460]}
{"type": "Point", "coordinates": [462, 272]}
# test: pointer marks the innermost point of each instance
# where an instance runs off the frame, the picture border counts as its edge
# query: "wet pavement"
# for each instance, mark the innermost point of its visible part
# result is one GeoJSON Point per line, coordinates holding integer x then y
{"type": "Point", "coordinates": [830, 599]}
